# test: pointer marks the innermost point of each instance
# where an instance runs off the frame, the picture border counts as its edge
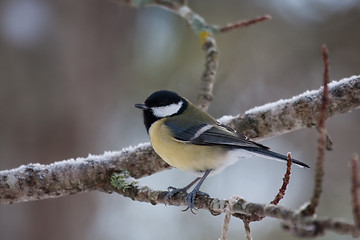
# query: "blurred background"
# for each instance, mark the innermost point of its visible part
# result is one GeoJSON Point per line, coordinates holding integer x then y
{"type": "Point", "coordinates": [71, 71]}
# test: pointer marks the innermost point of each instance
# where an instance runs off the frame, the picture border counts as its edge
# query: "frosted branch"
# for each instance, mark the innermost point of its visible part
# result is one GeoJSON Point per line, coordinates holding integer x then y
{"type": "Point", "coordinates": [35, 181]}
{"type": "Point", "coordinates": [298, 112]}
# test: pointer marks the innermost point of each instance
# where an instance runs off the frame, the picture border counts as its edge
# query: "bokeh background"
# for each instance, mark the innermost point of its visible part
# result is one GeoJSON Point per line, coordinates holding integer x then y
{"type": "Point", "coordinates": [71, 71]}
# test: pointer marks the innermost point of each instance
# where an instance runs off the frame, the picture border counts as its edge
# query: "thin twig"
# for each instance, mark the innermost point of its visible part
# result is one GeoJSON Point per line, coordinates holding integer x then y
{"type": "Point", "coordinates": [277, 198]}
{"type": "Point", "coordinates": [314, 202]}
{"type": "Point", "coordinates": [242, 23]}
{"type": "Point", "coordinates": [325, 54]}
{"type": "Point", "coordinates": [286, 180]}
{"type": "Point", "coordinates": [247, 229]}
{"type": "Point", "coordinates": [225, 227]}
{"type": "Point", "coordinates": [355, 189]}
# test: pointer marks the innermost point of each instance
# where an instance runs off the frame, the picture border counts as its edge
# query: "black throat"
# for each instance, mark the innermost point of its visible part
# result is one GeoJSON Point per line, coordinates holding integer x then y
{"type": "Point", "coordinates": [149, 119]}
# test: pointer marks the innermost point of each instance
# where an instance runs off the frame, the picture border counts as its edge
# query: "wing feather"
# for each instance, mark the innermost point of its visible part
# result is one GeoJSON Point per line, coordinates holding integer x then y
{"type": "Point", "coordinates": [216, 134]}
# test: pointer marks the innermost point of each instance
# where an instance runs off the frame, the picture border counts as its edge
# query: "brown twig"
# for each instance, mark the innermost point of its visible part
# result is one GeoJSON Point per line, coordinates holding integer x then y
{"type": "Point", "coordinates": [286, 180]}
{"type": "Point", "coordinates": [278, 197]}
{"type": "Point", "coordinates": [314, 202]}
{"type": "Point", "coordinates": [355, 189]}
{"type": "Point", "coordinates": [325, 54]}
{"type": "Point", "coordinates": [242, 23]}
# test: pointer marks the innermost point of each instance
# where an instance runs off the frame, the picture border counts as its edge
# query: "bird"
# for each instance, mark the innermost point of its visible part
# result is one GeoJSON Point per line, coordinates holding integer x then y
{"type": "Point", "coordinates": [191, 140]}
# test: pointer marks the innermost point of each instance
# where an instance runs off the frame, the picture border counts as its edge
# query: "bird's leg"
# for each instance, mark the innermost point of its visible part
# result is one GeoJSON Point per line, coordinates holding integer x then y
{"type": "Point", "coordinates": [173, 191]}
{"type": "Point", "coordinates": [190, 198]}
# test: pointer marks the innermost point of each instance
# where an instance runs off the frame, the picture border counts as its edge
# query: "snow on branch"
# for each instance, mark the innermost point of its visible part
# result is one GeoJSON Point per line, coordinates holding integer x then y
{"type": "Point", "coordinates": [36, 181]}
{"type": "Point", "coordinates": [301, 111]}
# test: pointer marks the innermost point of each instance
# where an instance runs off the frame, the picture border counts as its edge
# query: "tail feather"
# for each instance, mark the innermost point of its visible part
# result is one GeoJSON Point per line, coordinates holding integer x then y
{"type": "Point", "coordinates": [275, 155]}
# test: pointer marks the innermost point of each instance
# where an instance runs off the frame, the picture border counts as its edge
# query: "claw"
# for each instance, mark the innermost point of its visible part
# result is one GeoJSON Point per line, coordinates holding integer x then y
{"type": "Point", "coordinates": [190, 200]}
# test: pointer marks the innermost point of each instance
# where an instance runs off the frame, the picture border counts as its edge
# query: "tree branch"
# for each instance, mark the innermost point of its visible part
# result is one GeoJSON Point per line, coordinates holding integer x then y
{"type": "Point", "coordinates": [205, 32]}
{"type": "Point", "coordinates": [301, 111]}
{"type": "Point", "coordinates": [36, 181]}
{"type": "Point", "coordinates": [294, 221]}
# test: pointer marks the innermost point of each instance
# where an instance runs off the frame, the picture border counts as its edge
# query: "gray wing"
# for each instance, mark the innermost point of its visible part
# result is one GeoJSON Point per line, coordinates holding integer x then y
{"type": "Point", "coordinates": [209, 134]}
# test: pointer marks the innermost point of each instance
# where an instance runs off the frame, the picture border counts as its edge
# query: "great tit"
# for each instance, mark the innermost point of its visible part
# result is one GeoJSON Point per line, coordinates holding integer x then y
{"type": "Point", "coordinates": [191, 140]}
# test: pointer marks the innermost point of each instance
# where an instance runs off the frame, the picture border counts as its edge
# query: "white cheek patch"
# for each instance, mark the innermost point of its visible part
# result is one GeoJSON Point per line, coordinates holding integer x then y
{"type": "Point", "coordinates": [168, 110]}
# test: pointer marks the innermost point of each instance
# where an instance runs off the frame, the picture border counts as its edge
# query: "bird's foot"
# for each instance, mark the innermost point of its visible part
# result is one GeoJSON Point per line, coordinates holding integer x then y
{"type": "Point", "coordinates": [190, 199]}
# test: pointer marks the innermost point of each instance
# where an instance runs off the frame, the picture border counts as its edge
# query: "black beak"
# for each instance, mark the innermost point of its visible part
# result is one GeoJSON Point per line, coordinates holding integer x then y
{"type": "Point", "coordinates": [141, 106]}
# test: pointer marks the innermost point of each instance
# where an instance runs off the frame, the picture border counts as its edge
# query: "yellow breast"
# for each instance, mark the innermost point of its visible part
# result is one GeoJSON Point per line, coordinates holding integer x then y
{"type": "Point", "coordinates": [185, 156]}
